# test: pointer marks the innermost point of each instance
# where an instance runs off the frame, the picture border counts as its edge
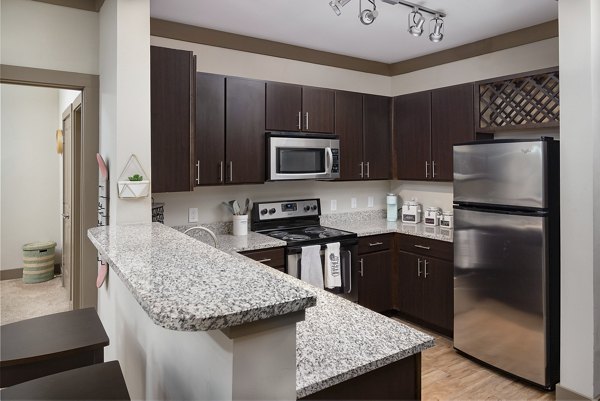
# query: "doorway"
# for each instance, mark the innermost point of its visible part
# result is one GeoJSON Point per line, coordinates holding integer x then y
{"type": "Point", "coordinates": [84, 144]}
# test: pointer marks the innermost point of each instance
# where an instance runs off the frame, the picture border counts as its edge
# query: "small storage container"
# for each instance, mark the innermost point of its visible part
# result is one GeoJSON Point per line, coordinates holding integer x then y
{"type": "Point", "coordinates": [38, 262]}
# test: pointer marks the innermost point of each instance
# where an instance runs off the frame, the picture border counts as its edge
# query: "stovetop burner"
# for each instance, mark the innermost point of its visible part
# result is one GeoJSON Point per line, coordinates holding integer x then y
{"type": "Point", "coordinates": [312, 234]}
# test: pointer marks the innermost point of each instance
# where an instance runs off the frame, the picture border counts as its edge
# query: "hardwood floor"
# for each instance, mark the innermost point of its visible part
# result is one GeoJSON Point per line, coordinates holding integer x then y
{"type": "Point", "coordinates": [446, 375]}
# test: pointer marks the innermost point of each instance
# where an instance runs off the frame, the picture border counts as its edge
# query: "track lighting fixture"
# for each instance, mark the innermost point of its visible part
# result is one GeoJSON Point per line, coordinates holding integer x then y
{"type": "Point", "coordinates": [416, 21]}
{"type": "Point", "coordinates": [436, 34]}
{"type": "Point", "coordinates": [337, 5]}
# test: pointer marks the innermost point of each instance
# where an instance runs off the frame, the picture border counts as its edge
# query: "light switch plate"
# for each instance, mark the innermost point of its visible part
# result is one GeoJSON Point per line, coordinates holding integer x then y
{"type": "Point", "coordinates": [353, 203]}
{"type": "Point", "coordinates": [370, 201]}
{"type": "Point", "coordinates": [333, 205]}
{"type": "Point", "coordinates": [193, 215]}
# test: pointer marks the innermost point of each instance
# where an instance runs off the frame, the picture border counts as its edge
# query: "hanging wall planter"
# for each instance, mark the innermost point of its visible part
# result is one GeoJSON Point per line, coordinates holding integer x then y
{"type": "Point", "coordinates": [133, 182]}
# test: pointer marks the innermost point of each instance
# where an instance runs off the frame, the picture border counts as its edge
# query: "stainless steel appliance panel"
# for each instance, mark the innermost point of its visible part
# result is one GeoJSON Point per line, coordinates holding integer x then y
{"type": "Point", "coordinates": [302, 158]}
{"type": "Point", "coordinates": [501, 173]}
{"type": "Point", "coordinates": [500, 276]}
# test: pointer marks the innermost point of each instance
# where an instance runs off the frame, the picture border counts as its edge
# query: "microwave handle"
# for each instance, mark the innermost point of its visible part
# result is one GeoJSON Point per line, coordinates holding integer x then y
{"type": "Point", "coordinates": [328, 160]}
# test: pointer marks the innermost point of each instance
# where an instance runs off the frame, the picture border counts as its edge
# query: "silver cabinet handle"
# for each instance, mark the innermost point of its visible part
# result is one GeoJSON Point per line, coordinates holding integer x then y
{"type": "Point", "coordinates": [307, 120]}
{"type": "Point", "coordinates": [264, 260]}
{"type": "Point", "coordinates": [230, 171]}
{"type": "Point", "coordinates": [426, 169]}
{"type": "Point", "coordinates": [422, 246]}
{"type": "Point", "coordinates": [375, 243]}
{"type": "Point", "coordinates": [221, 171]}
{"type": "Point", "coordinates": [362, 169]}
{"type": "Point", "coordinates": [426, 263]}
{"type": "Point", "coordinates": [361, 262]}
{"type": "Point", "coordinates": [419, 267]}
{"type": "Point", "coordinates": [368, 169]}
{"type": "Point", "coordinates": [299, 120]}
{"type": "Point", "coordinates": [349, 274]}
{"type": "Point", "coordinates": [433, 169]}
{"type": "Point", "coordinates": [198, 172]}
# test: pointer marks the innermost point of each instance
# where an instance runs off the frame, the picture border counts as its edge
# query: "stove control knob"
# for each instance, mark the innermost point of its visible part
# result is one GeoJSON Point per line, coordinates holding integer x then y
{"type": "Point", "coordinates": [272, 211]}
{"type": "Point", "coordinates": [306, 208]}
{"type": "Point", "coordinates": [263, 211]}
{"type": "Point", "coordinates": [314, 207]}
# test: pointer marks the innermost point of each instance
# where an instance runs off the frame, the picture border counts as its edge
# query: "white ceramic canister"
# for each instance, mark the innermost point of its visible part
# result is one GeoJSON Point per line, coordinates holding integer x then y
{"type": "Point", "coordinates": [240, 224]}
{"type": "Point", "coordinates": [433, 216]}
{"type": "Point", "coordinates": [447, 219]}
{"type": "Point", "coordinates": [411, 212]}
{"type": "Point", "coordinates": [392, 207]}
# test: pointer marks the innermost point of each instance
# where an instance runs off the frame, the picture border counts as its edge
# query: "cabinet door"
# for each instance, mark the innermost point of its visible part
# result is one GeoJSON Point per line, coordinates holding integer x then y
{"type": "Point", "coordinates": [452, 121]}
{"type": "Point", "coordinates": [210, 129]}
{"type": "Point", "coordinates": [438, 296]}
{"type": "Point", "coordinates": [284, 107]}
{"type": "Point", "coordinates": [412, 132]}
{"type": "Point", "coordinates": [374, 290]}
{"type": "Point", "coordinates": [410, 286]}
{"type": "Point", "coordinates": [245, 131]}
{"type": "Point", "coordinates": [348, 125]}
{"type": "Point", "coordinates": [318, 110]}
{"type": "Point", "coordinates": [172, 74]}
{"type": "Point", "coordinates": [377, 137]}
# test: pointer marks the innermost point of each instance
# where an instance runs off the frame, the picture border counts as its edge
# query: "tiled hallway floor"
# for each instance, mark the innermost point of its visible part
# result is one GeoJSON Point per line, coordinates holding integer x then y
{"type": "Point", "coordinates": [20, 301]}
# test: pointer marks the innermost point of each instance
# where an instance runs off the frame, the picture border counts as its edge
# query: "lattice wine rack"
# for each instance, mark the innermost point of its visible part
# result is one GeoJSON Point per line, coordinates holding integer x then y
{"type": "Point", "coordinates": [519, 102]}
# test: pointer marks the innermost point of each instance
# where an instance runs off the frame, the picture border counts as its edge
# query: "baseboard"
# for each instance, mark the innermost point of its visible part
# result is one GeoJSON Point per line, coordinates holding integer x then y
{"type": "Point", "coordinates": [564, 394]}
{"type": "Point", "coordinates": [12, 274]}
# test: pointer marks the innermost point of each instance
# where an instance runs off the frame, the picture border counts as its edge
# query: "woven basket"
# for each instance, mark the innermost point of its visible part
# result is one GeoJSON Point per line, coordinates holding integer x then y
{"type": "Point", "coordinates": [38, 262]}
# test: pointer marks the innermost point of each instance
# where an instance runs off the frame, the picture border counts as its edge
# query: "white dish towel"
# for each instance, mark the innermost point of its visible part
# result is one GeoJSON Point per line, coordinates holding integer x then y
{"type": "Point", "coordinates": [310, 265]}
{"type": "Point", "coordinates": [333, 266]}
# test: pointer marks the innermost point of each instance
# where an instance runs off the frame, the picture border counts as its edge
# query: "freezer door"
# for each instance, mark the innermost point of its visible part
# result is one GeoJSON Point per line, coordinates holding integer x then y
{"type": "Point", "coordinates": [500, 273]}
{"type": "Point", "coordinates": [501, 173]}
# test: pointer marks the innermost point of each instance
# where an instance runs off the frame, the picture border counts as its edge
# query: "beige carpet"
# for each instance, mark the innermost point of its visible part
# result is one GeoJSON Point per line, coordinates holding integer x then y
{"type": "Point", "coordinates": [20, 301]}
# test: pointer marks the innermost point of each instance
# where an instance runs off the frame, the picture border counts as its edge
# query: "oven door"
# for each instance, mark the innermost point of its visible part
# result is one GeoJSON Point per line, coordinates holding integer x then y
{"type": "Point", "coordinates": [348, 258]}
{"type": "Point", "coordinates": [302, 158]}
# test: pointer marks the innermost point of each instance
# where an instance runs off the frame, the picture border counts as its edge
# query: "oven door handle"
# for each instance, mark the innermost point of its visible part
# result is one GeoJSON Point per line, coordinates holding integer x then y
{"type": "Point", "coordinates": [328, 160]}
{"type": "Point", "coordinates": [349, 274]}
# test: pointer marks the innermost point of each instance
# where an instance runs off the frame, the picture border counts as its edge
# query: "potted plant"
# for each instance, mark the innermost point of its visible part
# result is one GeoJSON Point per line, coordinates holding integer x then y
{"type": "Point", "coordinates": [131, 183]}
{"type": "Point", "coordinates": [240, 216]}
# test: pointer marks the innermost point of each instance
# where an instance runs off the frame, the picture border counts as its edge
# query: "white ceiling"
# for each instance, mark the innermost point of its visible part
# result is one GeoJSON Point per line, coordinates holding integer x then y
{"type": "Point", "coordinates": [312, 23]}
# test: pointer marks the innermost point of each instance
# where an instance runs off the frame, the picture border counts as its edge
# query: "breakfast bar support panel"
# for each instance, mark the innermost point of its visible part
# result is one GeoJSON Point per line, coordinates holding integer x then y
{"type": "Point", "coordinates": [258, 362]}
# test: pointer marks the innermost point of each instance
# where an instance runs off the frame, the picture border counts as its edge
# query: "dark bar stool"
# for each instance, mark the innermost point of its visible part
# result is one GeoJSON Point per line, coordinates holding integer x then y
{"type": "Point", "coordinates": [50, 344]}
{"type": "Point", "coordinates": [103, 381]}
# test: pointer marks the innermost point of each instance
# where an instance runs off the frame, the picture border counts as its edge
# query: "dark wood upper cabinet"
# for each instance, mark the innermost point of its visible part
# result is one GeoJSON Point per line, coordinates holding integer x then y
{"type": "Point", "coordinates": [412, 133]}
{"type": "Point", "coordinates": [349, 127]}
{"type": "Point", "coordinates": [374, 289]}
{"type": "Point", "coordinates": [210, 129]}
{"type": "Point", "coordinates": [245, 131]}
{"type": "Point", "coordinates": [284, 107]}
{"type": "Point", "coordinates": [172, 105]}
{"type": "Point", "coordinates": [376, 137]}
{"type": "Point", "coordinates": [297, 108]}
{"type": "Point", "coordinates": [452, 122]}
{"type": "Point", "coordinates": [318, 110]}
{"type": "Point", "coordinates": [426, 126]}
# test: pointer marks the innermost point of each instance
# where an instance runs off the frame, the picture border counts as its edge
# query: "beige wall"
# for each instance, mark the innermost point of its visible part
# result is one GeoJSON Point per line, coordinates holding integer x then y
{"type": "Point", "coordinates": [30, 177]}
{"type": "Point", "coordinates": [34, 34]}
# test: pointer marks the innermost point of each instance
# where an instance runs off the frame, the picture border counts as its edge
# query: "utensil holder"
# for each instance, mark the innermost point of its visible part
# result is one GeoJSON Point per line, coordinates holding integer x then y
{"type": "Point", "coordinates": [240, 224]}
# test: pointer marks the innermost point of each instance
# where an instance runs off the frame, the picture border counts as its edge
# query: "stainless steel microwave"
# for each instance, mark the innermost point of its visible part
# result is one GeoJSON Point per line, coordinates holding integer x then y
{"type": "Point", "coordinates": [292, 156]}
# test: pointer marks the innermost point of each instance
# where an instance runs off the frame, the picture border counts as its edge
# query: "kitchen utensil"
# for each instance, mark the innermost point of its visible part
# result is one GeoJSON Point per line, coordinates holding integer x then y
{"type": "Point", "coordinates": [236, 208]}
{"type": "Point", "coordinates": [229, 206]}
{"type": "Point", "coordinates": [247, 206]}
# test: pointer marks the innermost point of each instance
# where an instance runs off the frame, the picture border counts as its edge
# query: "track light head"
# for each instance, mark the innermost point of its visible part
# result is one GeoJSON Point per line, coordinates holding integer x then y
{"type": "Point", "coordinates": [415, 23]}
{"type": "Point", "coordinates": [437, 34]}
{"type": "Point", "coordinates": [336, 6]}
{"type": "Point", "coordinates": [366, 16]}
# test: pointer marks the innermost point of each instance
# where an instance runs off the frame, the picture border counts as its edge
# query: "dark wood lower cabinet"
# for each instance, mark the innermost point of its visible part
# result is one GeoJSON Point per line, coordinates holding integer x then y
{"type": "Point", "coordinates": [397, 381]}
{"type": "Point", "coordinates": [374, 285]}
{"type": "Point", "coordinates": [410, 288]}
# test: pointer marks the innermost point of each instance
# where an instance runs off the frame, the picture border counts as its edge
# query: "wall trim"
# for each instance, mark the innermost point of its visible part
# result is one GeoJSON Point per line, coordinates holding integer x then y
{"type": "Point", "coordinates": [87, 5]}
{"type": "Point", "coordinates": [507, 40]}
{"type": "Point", "coordinates": [89, 144]}
{"type": "Point", "coordinates": [211, 37]}
{"type": "Point", "coordinates": [564, 394]}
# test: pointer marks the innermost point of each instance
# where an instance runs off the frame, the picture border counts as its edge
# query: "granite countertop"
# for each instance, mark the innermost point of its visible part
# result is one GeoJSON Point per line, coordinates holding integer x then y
{"type": "Point", "coordinates": [186, 285]}
{"type": "Point", "coordinates": [374, 222]}
{"type": "Point", "coordinates": [338, 340]}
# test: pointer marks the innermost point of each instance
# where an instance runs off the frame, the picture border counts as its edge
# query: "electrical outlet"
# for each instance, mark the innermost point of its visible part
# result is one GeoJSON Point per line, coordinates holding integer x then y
{"type": "Point", "coordinates": [353, 203]}
{"type": "Point", "coordinates": [193, 215]}
{"type": "Point", "coordinates": [370, 201]}
{"type": "Point", "coordinates": [333, 205]}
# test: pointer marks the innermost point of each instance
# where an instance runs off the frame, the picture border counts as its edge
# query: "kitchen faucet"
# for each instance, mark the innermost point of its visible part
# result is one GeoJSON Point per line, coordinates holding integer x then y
{"type": "Point", "coordinates": [214, 237]}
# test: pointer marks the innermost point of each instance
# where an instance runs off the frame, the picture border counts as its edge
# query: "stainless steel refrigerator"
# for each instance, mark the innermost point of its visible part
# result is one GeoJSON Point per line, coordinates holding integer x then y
{"type": "Point", "coordinates": [507, 256]}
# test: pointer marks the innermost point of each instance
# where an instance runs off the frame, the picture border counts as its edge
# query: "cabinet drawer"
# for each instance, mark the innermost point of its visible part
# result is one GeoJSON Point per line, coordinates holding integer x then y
{"type": "Point", "coordinates": [426, 246]}
{"type": "Point", "coordinates": [273, 257]}
{"type": "Point", "coordinates": [374, 243]}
